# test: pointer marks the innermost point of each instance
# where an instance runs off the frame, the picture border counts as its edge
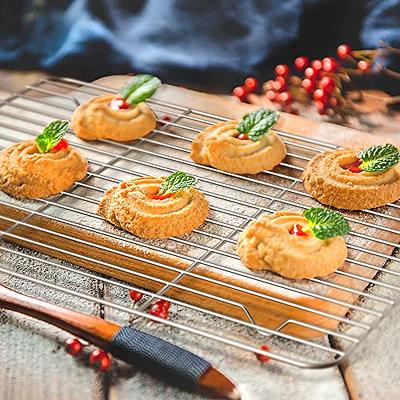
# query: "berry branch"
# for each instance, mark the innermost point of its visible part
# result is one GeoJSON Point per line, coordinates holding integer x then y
{"type": "Point", "coordinates": [326, 83]}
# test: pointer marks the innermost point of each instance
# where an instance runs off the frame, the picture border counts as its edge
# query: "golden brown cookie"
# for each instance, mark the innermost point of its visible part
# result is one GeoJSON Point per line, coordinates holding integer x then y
{"type": "Point", "coordinates": [96, 119]}
{"type": "Point", "coordinates": [219, 146]}
{"type": "Point", "coordinates": [328, 179]}
{"type": "Point", "coordinates": [268, 244]}
{"type": "Point", "coordinates": [136, 207]}
{"type": "Point", "coordinates": [27, 173]}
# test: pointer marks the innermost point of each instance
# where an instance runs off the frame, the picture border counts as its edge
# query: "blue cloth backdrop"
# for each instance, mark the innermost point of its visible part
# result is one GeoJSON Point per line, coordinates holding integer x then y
{"type": "Point", "coordinates": [209, 44]}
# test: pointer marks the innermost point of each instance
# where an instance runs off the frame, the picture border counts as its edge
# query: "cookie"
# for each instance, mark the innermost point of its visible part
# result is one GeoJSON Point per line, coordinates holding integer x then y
{"type": "Point", "coordinates": [27, 173]}
{"type": "Point", "coordinates": [220, 146]}
{"type": "Point", "coordinates": [269, 243]}
{"type": "Point", "coordinates": [333, 178]}
{"type": "Point", "coordinates": [136, 207]}
{"type": "Point", "coordinates": [96, 119]}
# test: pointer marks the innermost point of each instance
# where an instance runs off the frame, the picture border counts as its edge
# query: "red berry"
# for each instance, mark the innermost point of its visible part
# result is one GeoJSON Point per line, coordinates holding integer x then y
{"type": "Point", "coordinates": [316, 64]}
{"type": "Point", "coordinates": [163, 314]}
{"type": "Point", "coordinates": [320, 95]}
{"type": "Point", "coordinates": [135, 295]}
{"type": "Point", "coordinates": [100, 360]}
{"type": "Point", "coordinates": [165, 118]}
{"type": "Point", "coordinates": [269, 85]}
{"type": "Point", "coordinates": [343, 51]}
{"type": "Point", "coordinates": [321, 107]}
{"type": "Point", "coordinates": [297, 230]}
{"type": "Point", "coordinates": [163, 304]}
{"type": "Point", "coordinates": [354, 166]}
{"type": "Point", "coordinates": [251, 84]}
{"type": "Point", "coordinates": [240, 92]}
{"type": "Point", "coordinates": [282, 70]}
{"type": "Point", "coordinates": [327, 84]}
{"type": "Point", "coordinates": [329, 64]}
{"type": "Point", "coordinates": [301, 63]}
{"type": "Point", "coordinates": [155, 308]}
{"type": "Point", "coordinates": [73, 346]}
{"type": "Point", "coordinates": [119, 104]}
{"type": "Point", "coordinates": [160, 310]}
{"type": "Point", "coordinates": [62, 144]}
{"type": "Point", "coordinates": [285, 98]}
{"type": "Point", "coordinates": [333, 101]}
{"type": "Point", "coordinates": [279, 84]}
{"type": "Point", "coordinates": [363, 65]}
{"type": "Point", "coordinates": [308, 85]}
{"type": "Point", "coordinates": [310, 73]}
{"type": "Point", "coordinates": [261, 357]}
{"type": "Point", "coordinates": [271, 95]}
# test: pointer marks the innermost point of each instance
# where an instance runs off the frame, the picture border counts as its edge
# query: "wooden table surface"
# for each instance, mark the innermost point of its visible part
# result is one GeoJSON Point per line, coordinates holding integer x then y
{"type": "Point", "coordinates": [35, 366]}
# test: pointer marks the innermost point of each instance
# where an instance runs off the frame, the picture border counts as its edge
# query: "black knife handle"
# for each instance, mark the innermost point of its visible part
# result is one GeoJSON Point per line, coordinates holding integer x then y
{"type": "Point", "coordinates": [165, 360]}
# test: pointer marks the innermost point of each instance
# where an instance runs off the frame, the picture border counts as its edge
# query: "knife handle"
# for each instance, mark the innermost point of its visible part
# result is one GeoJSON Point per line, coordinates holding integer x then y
{"type": "Point", "coordinates": [171, 363]}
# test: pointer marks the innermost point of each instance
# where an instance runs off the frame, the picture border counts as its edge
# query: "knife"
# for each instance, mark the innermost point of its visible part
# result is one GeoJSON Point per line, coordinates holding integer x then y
{"type": "Point", "coordinates": [171, 363]}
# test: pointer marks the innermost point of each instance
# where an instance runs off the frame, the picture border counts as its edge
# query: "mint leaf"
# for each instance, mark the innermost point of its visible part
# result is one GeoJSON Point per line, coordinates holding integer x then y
{"type": "Point", "coordinates": [257, 123]}
{"type": "Point", "coordinates": [325, 224]}
{"type": "Point", "coordinates": [133, 83]}
{"type": "Point", "coordinates": [51, 135]}
{"type": "Point", "coordinates": [176, 182]}
{"type": "Point", "coordinates": [144, 91]}
{"type": "Point", "coordinates": [379, 158]}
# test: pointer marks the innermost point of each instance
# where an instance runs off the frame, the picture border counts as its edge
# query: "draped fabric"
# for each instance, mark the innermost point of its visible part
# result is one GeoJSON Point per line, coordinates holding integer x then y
{"type": "Point", "coordinates": [208, 44]}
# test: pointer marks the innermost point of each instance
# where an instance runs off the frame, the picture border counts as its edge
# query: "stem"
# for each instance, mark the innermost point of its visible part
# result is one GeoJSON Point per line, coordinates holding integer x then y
{"type": "Point", "coordinates": [392, 100]}
{"type": "Point", "coordinates": [391, 73]}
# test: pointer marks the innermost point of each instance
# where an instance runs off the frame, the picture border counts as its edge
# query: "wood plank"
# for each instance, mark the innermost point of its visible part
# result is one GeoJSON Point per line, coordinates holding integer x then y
{"type": "Point", "coordinates": [265, 312]}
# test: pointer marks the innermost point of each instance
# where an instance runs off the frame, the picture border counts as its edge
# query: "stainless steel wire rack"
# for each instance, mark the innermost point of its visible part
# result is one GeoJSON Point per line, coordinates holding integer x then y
{"type": "Point", "coordinates": [344, 306]}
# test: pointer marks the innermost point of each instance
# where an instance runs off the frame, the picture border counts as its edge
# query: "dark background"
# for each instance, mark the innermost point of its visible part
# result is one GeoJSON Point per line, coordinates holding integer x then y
{"type": "Point", "coordinates": [205, 44]}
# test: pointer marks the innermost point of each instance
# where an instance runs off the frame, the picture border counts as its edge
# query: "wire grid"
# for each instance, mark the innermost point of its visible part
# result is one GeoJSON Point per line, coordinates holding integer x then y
{"type": "Point", "coordinates": [235, 201]}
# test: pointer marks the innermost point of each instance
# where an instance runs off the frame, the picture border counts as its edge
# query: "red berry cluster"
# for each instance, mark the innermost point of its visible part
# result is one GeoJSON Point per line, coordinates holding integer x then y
{"type": "Point", "coordinates": [98, 358]}
{"type": "Point", "coordinates": [324, 82]}
{"type": "Point", "coordinates": [278, 90]}
{"type": "Point", "coordinates": [160, 308]}
{"type": "Point", "coordinates": [318, 80]}
{"type": "Point", "coordinates": [250, 86]}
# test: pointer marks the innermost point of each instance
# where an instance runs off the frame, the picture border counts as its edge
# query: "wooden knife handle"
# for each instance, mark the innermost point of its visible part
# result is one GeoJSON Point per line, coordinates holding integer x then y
{"type": "Point", "coordinates": [90, 328]}
{"type": "Point", "coordinates": [159, 357]}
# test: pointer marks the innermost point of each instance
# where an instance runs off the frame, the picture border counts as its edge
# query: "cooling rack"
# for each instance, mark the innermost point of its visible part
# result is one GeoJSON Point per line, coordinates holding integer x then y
{"type": "Point", "coordinates": [343, 307]}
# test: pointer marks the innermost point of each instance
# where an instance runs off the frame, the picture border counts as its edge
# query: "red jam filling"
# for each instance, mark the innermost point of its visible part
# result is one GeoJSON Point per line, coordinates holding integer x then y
{"type": "Point", "coordinates": [119, 104]}
{"type": "Point", "coordinates": [243, 136]}
{"type": "Point", "coordinates": [61, 145]}
{"type": "Point", "coordinates": [353, 167]}
{"type": "Point", "coordinates": [297, 230]}
{"type": "Point", "coordinates": [161, 196]}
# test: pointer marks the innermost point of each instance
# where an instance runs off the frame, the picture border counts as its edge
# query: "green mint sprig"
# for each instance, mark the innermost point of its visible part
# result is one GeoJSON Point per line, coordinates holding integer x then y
{"type": "Point", "coordinates": [258, 123]}
{"type": "Point", "coordinates": [379, 158]}
{"type": "Point", "coordinates": [139, 88]}
{"type": "Point", "coordinates": [176, 182]}
{"type": "Point", "coordinates": [51, 135]}
{"type": "Point", "coordinates": [325, 224]}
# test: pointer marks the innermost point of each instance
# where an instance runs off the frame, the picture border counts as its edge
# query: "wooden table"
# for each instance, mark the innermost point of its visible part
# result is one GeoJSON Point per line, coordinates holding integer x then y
{"type": "Point", "coordinates": [35, 365]}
